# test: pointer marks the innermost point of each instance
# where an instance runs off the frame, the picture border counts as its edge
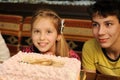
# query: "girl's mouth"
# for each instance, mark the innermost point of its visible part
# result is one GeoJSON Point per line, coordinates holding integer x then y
{"type": "Point", "coordinates": [42, 44]}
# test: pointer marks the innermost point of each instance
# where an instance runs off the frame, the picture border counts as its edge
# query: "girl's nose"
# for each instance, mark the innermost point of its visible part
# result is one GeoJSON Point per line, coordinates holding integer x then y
{"type": "Point", "coordinates": [42, 36]}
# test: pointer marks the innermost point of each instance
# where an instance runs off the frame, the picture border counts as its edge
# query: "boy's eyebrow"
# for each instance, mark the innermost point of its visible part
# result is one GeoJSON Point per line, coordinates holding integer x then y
{"type": "Point", "coordinates": [106, 21]}
{"type": "Point", "coordinates": [109, 21]}
{"type": "Point", "coordinates": [94, 21]}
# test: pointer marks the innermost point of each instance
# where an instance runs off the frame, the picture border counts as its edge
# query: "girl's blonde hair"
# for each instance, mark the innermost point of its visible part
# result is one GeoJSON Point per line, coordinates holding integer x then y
{"type": "Point", "coordinates": [62, 48]}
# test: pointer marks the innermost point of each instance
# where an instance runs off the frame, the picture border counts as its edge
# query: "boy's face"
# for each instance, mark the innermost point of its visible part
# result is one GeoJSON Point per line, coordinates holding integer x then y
{"type": "Point", "coordinates": [44, 35]}
{"type": "Point", "coordinates": [106, 30]}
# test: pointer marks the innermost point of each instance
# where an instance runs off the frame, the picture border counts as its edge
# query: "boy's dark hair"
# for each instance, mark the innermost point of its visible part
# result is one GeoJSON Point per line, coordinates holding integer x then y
{"type": "Point", "coordinates": [105, 8]}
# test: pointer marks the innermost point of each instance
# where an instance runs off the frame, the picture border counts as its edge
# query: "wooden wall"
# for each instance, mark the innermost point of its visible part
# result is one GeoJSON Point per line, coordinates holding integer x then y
{"type": "Point", "coordinates": [26, 9]}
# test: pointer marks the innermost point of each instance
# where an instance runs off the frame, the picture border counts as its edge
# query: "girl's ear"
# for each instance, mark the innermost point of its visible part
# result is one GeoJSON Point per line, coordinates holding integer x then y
{"type": "Point", "coordinates": [59, 37]}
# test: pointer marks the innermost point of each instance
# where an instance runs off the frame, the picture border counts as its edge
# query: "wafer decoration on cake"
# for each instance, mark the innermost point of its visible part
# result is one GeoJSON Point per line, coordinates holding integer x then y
{"type": "Point", "coordinates": [43, 61]}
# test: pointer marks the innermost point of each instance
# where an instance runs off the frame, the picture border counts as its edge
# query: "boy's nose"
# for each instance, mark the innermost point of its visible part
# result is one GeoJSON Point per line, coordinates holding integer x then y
{"type": "Point", "coordinates": [101, 30]}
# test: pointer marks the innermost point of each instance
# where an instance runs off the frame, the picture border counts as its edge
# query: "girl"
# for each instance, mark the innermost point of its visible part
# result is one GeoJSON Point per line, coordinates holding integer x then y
{"type": "Point", "coordinates": [47, 35]}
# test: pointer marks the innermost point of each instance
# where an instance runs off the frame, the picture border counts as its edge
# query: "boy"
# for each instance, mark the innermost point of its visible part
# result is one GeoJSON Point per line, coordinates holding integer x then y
{"type": "Point", "coordinates": [102, 54]}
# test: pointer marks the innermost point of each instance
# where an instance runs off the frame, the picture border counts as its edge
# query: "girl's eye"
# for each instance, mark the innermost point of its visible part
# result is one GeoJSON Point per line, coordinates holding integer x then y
{"type": "Point", "coordinates": [49, 31]}
{"type": "Point", "coordinates": [36, 31]}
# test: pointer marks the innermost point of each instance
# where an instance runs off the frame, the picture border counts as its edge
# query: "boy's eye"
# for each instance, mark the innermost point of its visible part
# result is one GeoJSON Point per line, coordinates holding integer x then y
{"type": "Point", "coordinates": [95, 25]}
{"type": "Point", "coordinates": [108, 24]}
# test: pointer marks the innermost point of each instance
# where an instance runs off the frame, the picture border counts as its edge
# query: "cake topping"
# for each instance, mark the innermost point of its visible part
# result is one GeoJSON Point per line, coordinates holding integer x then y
{"type": "Point", "coordinates": [42, 61]}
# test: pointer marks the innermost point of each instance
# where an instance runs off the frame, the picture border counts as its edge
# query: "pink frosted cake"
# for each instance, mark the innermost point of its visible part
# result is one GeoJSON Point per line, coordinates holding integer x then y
{"type": "Point", "coordinates": [33, 66]}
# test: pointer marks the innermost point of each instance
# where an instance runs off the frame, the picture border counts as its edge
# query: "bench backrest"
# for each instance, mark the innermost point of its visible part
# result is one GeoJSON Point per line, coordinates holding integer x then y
{"type": "Point", "coordinates": [10, 27]}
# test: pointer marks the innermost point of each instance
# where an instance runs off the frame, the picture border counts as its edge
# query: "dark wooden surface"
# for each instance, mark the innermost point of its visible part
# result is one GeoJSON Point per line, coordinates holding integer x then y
{"type": "Point", "coordinates": [94, 76]}
{"type": "Point", "coordinates": [26, 9]}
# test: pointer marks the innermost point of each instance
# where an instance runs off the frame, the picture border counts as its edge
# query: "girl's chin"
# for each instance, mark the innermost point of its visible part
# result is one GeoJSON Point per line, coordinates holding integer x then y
{"type": "Point", "coordinates": [45, 52]}
{"type": "Point", "coordinates": [42, 51]}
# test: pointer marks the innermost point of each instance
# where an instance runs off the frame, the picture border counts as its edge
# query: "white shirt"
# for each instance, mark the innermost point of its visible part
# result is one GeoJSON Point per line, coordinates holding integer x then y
{"type": "Point", "coordinates": [4, 51]}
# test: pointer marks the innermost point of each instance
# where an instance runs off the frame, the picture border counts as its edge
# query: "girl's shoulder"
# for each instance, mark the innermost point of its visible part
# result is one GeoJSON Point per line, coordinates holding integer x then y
{"type": "Point", "coordinates": [74, 54]}
{"type": "Point", "coordinates": [27, 49]}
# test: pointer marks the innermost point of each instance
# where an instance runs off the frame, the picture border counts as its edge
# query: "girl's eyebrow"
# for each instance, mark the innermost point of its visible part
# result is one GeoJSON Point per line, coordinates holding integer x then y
{"type": "Point", "coordinates": [34, 28]}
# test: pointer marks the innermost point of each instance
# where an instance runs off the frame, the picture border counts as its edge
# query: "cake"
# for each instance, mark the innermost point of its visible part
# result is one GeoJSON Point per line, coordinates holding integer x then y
{"type": "Point", "coordinates": [34, 66]}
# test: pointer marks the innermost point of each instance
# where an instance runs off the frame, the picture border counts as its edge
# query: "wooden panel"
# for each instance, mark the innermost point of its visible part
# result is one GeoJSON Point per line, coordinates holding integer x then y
{"type": "Point", "coordinates": [26, 32]}
{"type": "Point", "coordinates": [77, 29]}
{"type": "Point", "coordinates": [10, 27]}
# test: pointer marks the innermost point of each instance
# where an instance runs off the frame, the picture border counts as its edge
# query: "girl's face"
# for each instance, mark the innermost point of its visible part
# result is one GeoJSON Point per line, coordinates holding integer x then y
{"type": "Point", "coordinates": [44, 35]}
{"type": "Point", "coordinates": [106, 30]}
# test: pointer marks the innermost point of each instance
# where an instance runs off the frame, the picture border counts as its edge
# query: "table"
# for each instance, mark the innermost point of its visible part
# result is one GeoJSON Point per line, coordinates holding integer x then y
{"type": "Point", "coordinates": [94, 76]}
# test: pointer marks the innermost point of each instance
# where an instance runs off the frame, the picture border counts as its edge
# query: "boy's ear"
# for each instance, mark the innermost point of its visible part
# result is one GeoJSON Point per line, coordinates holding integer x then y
{"type": "Point", "coordinates": [59, 37]}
